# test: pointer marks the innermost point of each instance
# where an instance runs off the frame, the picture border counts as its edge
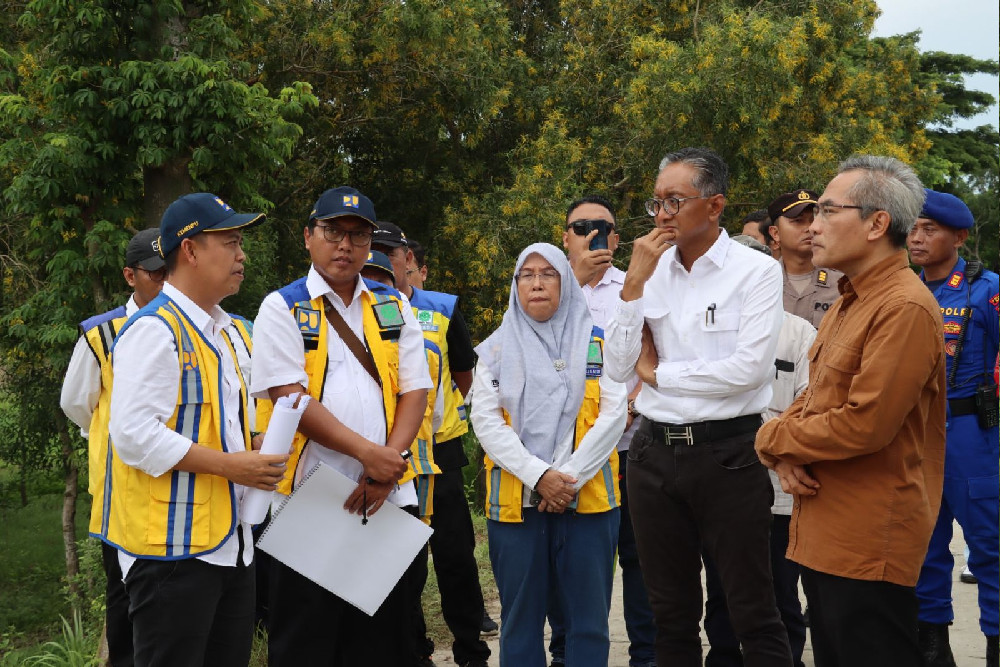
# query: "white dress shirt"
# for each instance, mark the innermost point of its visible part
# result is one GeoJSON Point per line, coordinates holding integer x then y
{"type": "Point", "coordinates": [715, 328]}
{"type": "Point", "coordinates": [602, 300]}
{"type": "Point", "coordinates": [796, 337]}
{"type": "Point", "coordinates": [81, 388]}
{"type": "Point", "coordinates": [349, 392]}
{"type": "Point", "coordinates": [144, 398]}
{"type": "Point", "coordinates": [505, 448]}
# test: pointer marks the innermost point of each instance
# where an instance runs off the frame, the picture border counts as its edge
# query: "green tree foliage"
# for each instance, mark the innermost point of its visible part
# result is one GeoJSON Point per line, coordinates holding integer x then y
{"type": "Point", "coordinates": [108, 111]}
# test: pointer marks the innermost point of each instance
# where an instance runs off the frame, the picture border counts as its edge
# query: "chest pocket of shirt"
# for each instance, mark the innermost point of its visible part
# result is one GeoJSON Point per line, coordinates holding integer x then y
{"type": "Point", "coordinates": [840, 364]}
{"type": "Point", "coordinates": [338, 375]}
{"type": "Point", "coordinates": [719, 329]}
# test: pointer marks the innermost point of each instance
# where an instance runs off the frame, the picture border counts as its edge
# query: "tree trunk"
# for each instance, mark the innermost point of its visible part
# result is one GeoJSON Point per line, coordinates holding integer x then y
{"type": "Point", "coordinates": [161, 186]}
{"type": "Point", "coordinates": [71, 478]}
{"type": "Point", "coordinates": [22, 485]}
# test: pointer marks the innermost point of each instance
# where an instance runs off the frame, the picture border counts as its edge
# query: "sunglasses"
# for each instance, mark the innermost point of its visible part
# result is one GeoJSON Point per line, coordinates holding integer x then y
{"type": "Point", "coordinates": [584, 227]}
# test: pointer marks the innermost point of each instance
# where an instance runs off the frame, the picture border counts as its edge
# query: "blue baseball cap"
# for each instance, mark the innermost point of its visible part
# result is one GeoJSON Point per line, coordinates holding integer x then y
{"type": "Point", "coordinates": [196, 213]}
{"type": "Point", "coordinates": [344, 202]}
{"type": "Point", "coordinates": [947, 210]}
{"type": "Point", "coordinates": [379, 260]}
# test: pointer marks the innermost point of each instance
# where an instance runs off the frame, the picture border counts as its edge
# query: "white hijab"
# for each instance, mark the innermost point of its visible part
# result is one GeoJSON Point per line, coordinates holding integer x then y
{"type": "Point", "coordinates": [542, 366]}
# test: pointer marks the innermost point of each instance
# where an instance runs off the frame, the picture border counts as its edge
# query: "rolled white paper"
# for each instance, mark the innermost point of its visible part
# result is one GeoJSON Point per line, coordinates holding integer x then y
{"type": "Point", "coordinates": [277, 440]}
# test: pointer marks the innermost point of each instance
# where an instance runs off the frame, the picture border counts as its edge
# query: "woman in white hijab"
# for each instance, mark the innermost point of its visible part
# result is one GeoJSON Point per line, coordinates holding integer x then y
{"type": "Point", "coordinates": [548, 420]}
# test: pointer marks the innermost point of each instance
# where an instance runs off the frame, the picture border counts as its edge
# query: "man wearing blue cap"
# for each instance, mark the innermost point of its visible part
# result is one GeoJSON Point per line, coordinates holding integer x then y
{"type": "Point", "coordinates": [968, 297]}
{"type": "Point", "coordinates": [182, 456]}
{"type": "Point", "coordinates": [355, 347]}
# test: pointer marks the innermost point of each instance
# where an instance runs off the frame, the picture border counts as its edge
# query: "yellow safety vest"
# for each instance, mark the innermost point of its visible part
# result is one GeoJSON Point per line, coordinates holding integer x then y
{"type": "Point", "coordinates": [383, 343]}
{"type": "Point", "coordinates": [505, 492]}
{"type": "Point", "coordinates": [180, 514]}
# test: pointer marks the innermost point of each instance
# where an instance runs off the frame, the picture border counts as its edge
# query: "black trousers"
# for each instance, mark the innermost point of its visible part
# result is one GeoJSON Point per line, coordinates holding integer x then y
{"type": "Point", "coordinates": [310, 627]}
{"type": "Point", "coordinates": [724, 647]}
{"type": "Point", "coordinates": [453, 549]}
{"type": "Point", "coordinates": [855, 623]}
{"type": "Point", "coordinates": [713, 496]}
{"type": "Point", "coordinates": [191, 613]}
{"type": "Point", "coordinates": [119, 628]}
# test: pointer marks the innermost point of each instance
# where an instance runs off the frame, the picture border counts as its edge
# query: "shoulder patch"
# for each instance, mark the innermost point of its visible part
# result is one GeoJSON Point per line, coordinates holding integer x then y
{"type": "Point", "coordinates": [995, 300]}
{"type": "Point", "coordinates": [956, 279]}
{"type": "Point", "coordinates": [822, 277]}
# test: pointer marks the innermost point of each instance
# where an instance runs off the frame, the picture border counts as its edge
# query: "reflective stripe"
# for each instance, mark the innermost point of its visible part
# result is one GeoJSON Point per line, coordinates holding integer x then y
{"type": "Point", "coordinates": [609, 485]}
{"type": "Point", "coordinates": [495, 477]}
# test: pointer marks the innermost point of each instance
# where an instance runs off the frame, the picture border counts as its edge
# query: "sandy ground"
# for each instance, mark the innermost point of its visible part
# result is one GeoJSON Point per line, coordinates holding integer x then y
{"type": "Point", "coordinates": [968, 643]}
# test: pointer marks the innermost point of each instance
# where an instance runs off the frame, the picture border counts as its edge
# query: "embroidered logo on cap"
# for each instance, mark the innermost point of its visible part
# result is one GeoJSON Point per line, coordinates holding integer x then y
{"type": "Point", "coordinates": [351, 201]}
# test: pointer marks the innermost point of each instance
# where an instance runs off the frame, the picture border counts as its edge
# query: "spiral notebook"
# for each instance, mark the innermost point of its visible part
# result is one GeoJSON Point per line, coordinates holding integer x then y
{"type": "Point", "coordinates": [314, 535]}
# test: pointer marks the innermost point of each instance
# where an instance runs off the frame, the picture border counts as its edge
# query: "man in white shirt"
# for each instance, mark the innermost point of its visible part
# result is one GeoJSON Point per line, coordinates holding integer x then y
{"type": "Point", "coordinates": [713, 310]}
{"type": "Point", "coordinates": [180, 425]}
{"type": "Point", "coordinates": [602, 283]}
{"type": "Point", "coordinates": [354, 345]}
{"type": "Point", "coordinates": [86, 397]}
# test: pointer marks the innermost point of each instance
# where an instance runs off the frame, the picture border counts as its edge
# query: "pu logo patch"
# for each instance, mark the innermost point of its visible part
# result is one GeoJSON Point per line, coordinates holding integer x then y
{"type": "Point", "coordinates": [388, 315]}
{"type": "Point", "coordinates": [350, 201]}
{"type": "Point", "coordinates": [308, 321]}
{"type": "Point", "coordinates": [190, 361]}
{"type": "Point", "coordinates": [224, 205]}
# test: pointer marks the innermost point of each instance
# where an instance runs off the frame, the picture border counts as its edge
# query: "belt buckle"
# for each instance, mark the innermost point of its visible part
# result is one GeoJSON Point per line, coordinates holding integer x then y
{"type": "Point", "coordinates": [687, 437]}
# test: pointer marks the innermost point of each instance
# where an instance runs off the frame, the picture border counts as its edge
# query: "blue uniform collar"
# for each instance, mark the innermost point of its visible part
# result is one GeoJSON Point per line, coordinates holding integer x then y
{"type": "Point", "coordinates": [955, 280]}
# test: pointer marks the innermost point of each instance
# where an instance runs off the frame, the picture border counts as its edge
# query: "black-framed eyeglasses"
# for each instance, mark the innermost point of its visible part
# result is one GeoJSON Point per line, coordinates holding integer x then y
{"type": "Point", "coordinates": [584, 227]}
{"type": "Point", "coordinates": [825, 209]}
{"type": "Point", "coordinates": [670, 205]}
{"type": "Point", "coordinates": [546, 277]}
{"type": "Point", "coordinates": [359, 237]}
{"type": "Point", "coordinates": [156, 275]}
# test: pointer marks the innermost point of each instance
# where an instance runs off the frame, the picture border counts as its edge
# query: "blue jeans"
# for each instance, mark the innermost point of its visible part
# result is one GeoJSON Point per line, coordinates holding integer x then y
{"type": "Point", "coordinates": [639, 623]}
{"type": "Point", "coordinates": [576, 552]}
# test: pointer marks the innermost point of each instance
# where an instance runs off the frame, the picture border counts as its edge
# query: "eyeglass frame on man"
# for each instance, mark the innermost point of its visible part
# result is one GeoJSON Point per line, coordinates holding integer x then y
{"type": "Point", "coordinates": [653, 205]}
{"type": "Point", "coordinates": [156, 275]}
{"type": "Point", "coordinates": [823, 208]}
{"type": "Point", "coordinates": [329, 231]}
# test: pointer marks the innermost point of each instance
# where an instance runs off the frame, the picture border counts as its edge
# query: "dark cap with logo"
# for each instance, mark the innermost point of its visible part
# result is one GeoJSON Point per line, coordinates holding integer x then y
{"type": "Point", "coordinates": [388, 235]}
{"type": "Point", "coordinates": [196, 213]}
{"type": "Point", "coordinates": [947, 210]}
{"type": "Point", "coordinates": [343, 202]}
{"type": "Point", "coordinates": [142, 252]}
{"type": "Point", "coordinates": [791, 204]}
{"type": "Point", "coordinates": [379, 260]}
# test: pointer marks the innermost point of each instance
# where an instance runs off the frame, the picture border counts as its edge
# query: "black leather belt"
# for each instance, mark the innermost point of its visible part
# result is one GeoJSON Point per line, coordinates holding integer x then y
{"type": "Point", "coordinates": [707, 431]}
{"type": "Point", "coordinates": [960, 407]}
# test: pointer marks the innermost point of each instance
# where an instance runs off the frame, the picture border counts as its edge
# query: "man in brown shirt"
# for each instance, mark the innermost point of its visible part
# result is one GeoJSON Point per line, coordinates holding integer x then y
{"type": "Point", "coordinates": [862, 448]}
{"type": "Point", "coordinates": [808, 290]}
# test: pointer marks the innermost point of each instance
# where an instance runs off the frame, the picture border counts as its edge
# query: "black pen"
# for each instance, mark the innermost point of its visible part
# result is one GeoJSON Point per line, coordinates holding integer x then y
{"type": "Point", "coordinates": [710, 311]}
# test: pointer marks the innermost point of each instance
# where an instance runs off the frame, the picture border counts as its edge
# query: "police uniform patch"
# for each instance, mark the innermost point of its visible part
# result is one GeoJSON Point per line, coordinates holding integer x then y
{"type": "Point", "coordinates": [949, 347]}
{"type": "Point", "coordinates": [953, 328]}
{"type": "Point", "coordinates": [822, 277]}
{"type": "Point", "coordinates": [956, 279]}
{"type": "Point", "coordinates": [995, 300]}
{"type": "Point", "coordinates": [388, 315]}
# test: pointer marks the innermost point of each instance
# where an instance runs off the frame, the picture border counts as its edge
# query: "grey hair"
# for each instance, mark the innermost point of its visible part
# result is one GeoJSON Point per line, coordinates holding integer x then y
{"type": "Point", "coordinates": [712, 176]}
{"type": "Point", "coordinates": [889, 185]}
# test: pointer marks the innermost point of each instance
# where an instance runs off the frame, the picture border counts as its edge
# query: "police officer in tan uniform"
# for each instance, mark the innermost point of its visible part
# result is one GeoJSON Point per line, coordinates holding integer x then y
{"type": "Point", "coordinates": [808, 290]}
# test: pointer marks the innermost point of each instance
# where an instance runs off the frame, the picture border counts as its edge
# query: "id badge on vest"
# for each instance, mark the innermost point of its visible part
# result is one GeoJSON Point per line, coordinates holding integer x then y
{"type": "Point", "coordinates": [389, 318]}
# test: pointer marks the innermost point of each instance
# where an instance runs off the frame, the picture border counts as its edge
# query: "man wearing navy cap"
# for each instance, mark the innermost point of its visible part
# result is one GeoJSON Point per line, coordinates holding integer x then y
{"type": "Point", "coordinates": [453, 542]}
{"type": "Point", "coordinates": [86, 397]}
{"type": "Point", "coordinates": [354, 346]}
{"type": "Point", "coordinates": [968, 297]}
{"type": "Point", "coordinates": [808, 290]}
{"type": "Point", "coordinates": [182, 457]}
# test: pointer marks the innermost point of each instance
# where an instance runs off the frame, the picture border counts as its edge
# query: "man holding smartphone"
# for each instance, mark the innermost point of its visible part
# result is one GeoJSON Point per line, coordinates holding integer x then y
{"type": "Point", "coordinates": [590, 240]}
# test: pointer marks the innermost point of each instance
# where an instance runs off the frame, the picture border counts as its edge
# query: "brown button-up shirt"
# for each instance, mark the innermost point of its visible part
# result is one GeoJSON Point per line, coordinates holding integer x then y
{"type": "Point", "coordinates": [816, 300]}
{"type": "Point", "coordinates": [870, 428]}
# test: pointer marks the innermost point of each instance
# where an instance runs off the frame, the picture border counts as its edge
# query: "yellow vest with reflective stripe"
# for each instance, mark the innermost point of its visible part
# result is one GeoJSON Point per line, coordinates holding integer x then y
{"type": "Point", "coordinates": [180, 514]}
{"type": "Point", "coordinates": [433, 310]}
{"type": "Point", "coordinates": [100, 332]}
{"type": "Point", "coordinates": [505, 492]}
{"type": "Point", "coordinates": [310, 316]}
{"type": "Point", "coordinates": [421, 466]}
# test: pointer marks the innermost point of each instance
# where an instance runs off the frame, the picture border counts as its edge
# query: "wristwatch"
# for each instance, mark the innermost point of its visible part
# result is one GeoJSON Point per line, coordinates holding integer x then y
{"type": "Point", "coordinates": [631, 408]}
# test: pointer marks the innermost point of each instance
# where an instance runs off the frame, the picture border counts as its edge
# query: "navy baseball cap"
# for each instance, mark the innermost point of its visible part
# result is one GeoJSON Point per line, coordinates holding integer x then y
{"type": "Point", "coordinates": [379, 260]}
{"type": "Point", "coordinates": [947, 210]}
{"type": "Point", "coordinates": [141, 251]}
{"type": "Point", "coordinates": [196, 213]}
{"type": "Point", "coordinates": [344, 202]}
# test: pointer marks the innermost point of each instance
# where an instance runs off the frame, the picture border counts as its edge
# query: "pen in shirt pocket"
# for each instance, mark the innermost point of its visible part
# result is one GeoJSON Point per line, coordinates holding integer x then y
{"type": "Point", "coordinates": [710, 314]}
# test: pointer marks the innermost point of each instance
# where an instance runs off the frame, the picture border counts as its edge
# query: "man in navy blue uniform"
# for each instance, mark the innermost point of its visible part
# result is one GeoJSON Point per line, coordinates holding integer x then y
{"type": "Point", "coordinates": [968, 297]}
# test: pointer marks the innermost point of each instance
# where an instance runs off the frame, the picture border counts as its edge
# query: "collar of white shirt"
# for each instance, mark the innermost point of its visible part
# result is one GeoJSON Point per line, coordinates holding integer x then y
{"type": "Point", "coordinates": [612, 275]}
{"type": "Point", "coordinates": [716, 253]}
{"type": "Point", "coordinates": [317, 286]}
{"type": "Point", "coordinates": [131, 307]}
{"type": "Point", "coordinates": [199, 317]}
